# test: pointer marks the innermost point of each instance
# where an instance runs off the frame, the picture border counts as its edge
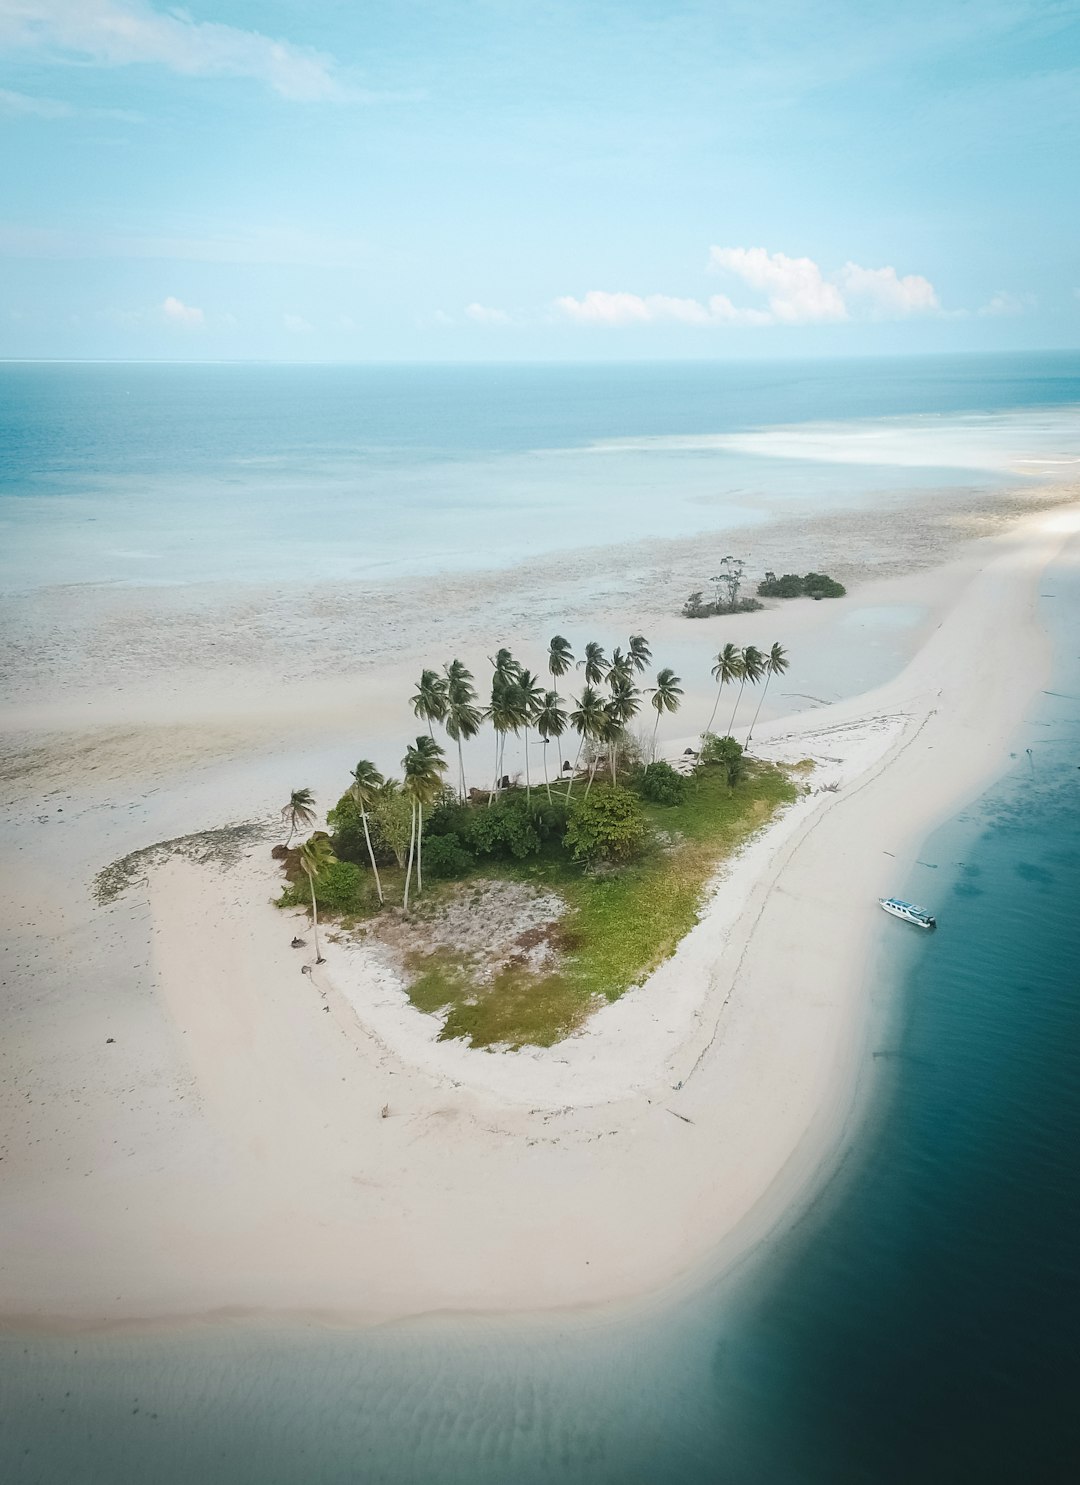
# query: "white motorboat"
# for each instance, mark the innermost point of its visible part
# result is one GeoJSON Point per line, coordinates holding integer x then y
{"type": "Point", "coordinates": [908, 911]}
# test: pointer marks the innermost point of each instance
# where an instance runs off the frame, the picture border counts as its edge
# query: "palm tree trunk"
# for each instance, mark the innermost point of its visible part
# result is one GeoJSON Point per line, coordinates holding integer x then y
{"type": "Point", "coordinates": [461, 768]}
{"type": "Point", "coordinates": [315, 920]}
{"type": "Point", "coordinates": [592, 774]}
{"type": "Point", "coordinates": [573, 771]}
{"type": "Point", "coordinates": [495, 785]}
{"type": "Point", "coordinates": [528, 781]}
{"type": "Point", "coordinates": [371, 855]}
{"type": "Point", "coordinates": [547, 785]}
{"type": "Point", "coordinates": [408, 869]}
{"type": "Point", "coordinates": [419, 847]}
{"type": "Point", "coordinates": [738, 699]}
{"type": "Point", "coordinates": [716, 703]}
{"type": "Point", "coordinates": [764, 693]}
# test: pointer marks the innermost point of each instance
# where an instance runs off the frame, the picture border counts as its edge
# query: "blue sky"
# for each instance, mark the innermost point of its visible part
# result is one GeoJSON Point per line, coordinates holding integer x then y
{"type": "Point", "coordinates": [518, 179]}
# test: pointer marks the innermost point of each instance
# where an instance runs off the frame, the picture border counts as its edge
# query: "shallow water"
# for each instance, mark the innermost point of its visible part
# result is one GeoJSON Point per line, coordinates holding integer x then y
{"type": "Point", "coordinates": [151, 475]}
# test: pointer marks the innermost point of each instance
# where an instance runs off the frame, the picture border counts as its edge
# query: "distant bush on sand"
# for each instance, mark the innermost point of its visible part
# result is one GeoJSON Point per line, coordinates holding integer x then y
{"type": "Point", "coordinates": [791, 585]}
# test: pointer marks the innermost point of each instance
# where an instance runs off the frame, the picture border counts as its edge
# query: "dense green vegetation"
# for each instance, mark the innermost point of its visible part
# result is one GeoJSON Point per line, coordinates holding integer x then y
{"type": "Point", "coordinates": [791, 585]}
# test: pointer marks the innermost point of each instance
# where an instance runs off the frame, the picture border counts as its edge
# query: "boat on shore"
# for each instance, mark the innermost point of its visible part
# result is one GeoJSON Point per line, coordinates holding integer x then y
{"type": "Point", "coordinates": [908, 911]}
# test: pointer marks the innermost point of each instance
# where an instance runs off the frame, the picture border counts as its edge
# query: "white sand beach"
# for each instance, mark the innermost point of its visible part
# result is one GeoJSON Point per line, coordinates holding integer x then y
{"type": "Point", "coordinates": [195, 1129]}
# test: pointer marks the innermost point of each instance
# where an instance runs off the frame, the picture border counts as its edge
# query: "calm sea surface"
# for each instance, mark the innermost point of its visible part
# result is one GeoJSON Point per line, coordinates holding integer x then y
{"type": "Point", "coordinates": [920, 1324]}
{"type": "Point", "coordinates": [176, 474]}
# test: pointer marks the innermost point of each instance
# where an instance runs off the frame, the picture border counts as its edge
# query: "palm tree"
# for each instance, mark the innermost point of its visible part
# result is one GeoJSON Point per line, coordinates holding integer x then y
{"type": "Point", "coordinates": [530, 699]}
{"type": "Point", "coordinates": [623, 707]}
{"type": "Point", "coordinates": [366, 783]}
{"type": "Point", "coordinates": [640, 654]}
{"type": "Point", "coordinates": [728, 668]}
{"type": "Point", "coordinates": [666, 696]}
{"type": "Point", "coordinates": [463, 716]}
{"type": "Point", "coordinates": [315, 855]}
{"type": "Point", "coordinates": [429, 703]}
{"type": "Point", "coordinates": [776, 662]}
{"type": "Point", "coordinates": [550, 722]}
{"type": "Point", "coordinates": [560, 660]}
{"type": "Point", "coordinates": [299, 813]}
{"type": "Point", "coordinates": [423, 766]}
{"type": "Point", "coordinates": [609, 731]}
{"type": "Point", "coordinates": [587, 721]}
{"type": "Point", "coordinates": [507, 714]}
{"type": "Point", "coordinates": [595, 663]}
{"type": "Point", "coordinates": [621, 668]}
{"type": "Point", "coordinates": [753, 665]}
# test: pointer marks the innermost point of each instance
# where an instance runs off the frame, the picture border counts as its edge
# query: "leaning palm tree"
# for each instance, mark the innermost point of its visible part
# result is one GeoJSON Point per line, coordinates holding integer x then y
{"type": "Point", "coordinates": [595, 663]}
{"type": "Point", "coordinates": [366, 783]}
{"type": "Point", "coordinates": [666, 697]}
{"type": "Point", "coordinates": [609, 730]}
{"type": "Point", "coordinates": [623, 708]}
{"type": "Point", "coordinates": [530, 698]}
{"type": "Point", "coordinates": [315, 855]}
{"type": "Point", "coordinates": [752, 669]}
{"type": "Point", "coordinates": [728, 668]}
{"type": "Point", "coordinates": [640, 653]}
{"type": "Point", "coordinates": [299, 813]}
{"type": "Point", "coordinates": [776, 662]}
{"type": "Point", "coordinates": [550, 722]}
{"type": "Point", "coordinates": [429, 703]}
{"type": "Point", "coordinates": [587, 721]}
{"type": "Point", "coordinates": [423, 766]}
{"type": "Point", "coordinates": [560, 660]}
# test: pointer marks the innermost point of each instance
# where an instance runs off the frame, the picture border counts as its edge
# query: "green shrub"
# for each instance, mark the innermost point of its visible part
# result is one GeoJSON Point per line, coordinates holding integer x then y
{"type": "Point", "coordinates": [662, 785]}
{"type": "Point", "coordinates": [338, 889]}
{"type": "Point", "coordinates": [446, 856]}
{"type": "Point", "coordinates": [506, 828]}
{"type": "Point", "coordinates": [716, 749]}
{"type": "Point", "coordinates": [606, 826]}
{"type": "Point", "coordinates": [791, 585]}
{"type": "Point", "coordinates": [390, 821]}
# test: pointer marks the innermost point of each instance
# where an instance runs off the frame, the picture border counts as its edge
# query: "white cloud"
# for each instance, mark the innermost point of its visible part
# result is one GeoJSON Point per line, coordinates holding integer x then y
{"type": "Point", "coordinates": [482, 314]}
{"type": "Point", "coordinates": [297, 325]}
{"type": "Point", "coordinates": [888, 296]}
{"type": "Point", "coordinates": [180, 313]}
{"type": "Point", "coordinates": [22, 105]}
{"type": "Point", "coordinates": [115, 33]}
{"type": "Point", "coordinates": [797, 291]}
{"type": "Point", "coordinates": [1004, 303]}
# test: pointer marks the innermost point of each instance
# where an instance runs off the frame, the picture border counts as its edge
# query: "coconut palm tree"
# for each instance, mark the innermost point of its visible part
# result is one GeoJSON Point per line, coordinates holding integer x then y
{"type": "Point", "coordinates": [429, 703]}
{"type": "Point", "coordinates": [587, 721]}
{"type": "Point", "coordinates": [507, 713]}
{"type": "Point", "coordinates": [299, 813]}
{"type": "Point", "coordinates": [560, 660]}
{"type": "Point", "coordinates": [623, 708]}
{"type": "Point", "coordinates": [753, 664]}
{"type": "Point", "coordinates": [776, 662]}
{"type": "Point", "coordinates": [463, 716]}
{"type": "Point", "coordinates": [621, 668]}
{"type": "Point", "coordinates": [315, 855]}
{"type": "Point", "coordinates": [640, 653]}
{"type": "Point", "coordinates": [366, 783]}
{"type": "Point", "coordinates": [609, 731]}
{"type": "Point", "coordinates": [595, 663]}
{"type": "Point", "coordinates": [530, 699]}
{"type": "Point", "coordinates": [728, 668]}
{"type": "Point", "coordinates": [423, 767]}
{"type": "Point", "coordinates": [550, 722]}
{"type": "Point", "coordinates": [666, 696]}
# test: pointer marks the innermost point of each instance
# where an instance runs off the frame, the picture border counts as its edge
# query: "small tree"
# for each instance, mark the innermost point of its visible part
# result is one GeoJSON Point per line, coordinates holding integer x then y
{"type": "Point", "coordinates": [315, 855]}
{"type": "Point", "coordinates": [726, 752]}
{"type": "Point", "coordinates": [608, 826]}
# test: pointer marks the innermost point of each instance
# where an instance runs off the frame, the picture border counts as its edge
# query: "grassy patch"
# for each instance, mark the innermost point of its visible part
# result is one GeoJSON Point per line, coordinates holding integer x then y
{"type": "Point", "coordinates": [621, 923]}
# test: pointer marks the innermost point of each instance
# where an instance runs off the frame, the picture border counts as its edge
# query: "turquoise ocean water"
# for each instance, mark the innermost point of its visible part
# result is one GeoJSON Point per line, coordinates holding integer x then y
{"type": "Point", "coordinates": [920, 1323]}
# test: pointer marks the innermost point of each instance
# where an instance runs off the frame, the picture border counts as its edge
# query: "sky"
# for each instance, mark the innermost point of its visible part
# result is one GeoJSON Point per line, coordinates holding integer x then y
{"type": "Point", "coordinates": [358, 180]}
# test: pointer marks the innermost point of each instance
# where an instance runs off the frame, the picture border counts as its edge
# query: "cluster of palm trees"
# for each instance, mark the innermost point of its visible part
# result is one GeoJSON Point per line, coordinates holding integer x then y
{"type": "Point", "coordinates": [749, 664]}
{"type": "Point", "coordinates": [609, 700]}
{"type": "Point", "coordinates": [521, 702]}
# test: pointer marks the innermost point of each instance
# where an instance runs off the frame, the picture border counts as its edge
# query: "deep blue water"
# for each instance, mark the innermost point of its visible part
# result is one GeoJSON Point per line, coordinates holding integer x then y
{"type": "Point", "coordinates": [156, 474]}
